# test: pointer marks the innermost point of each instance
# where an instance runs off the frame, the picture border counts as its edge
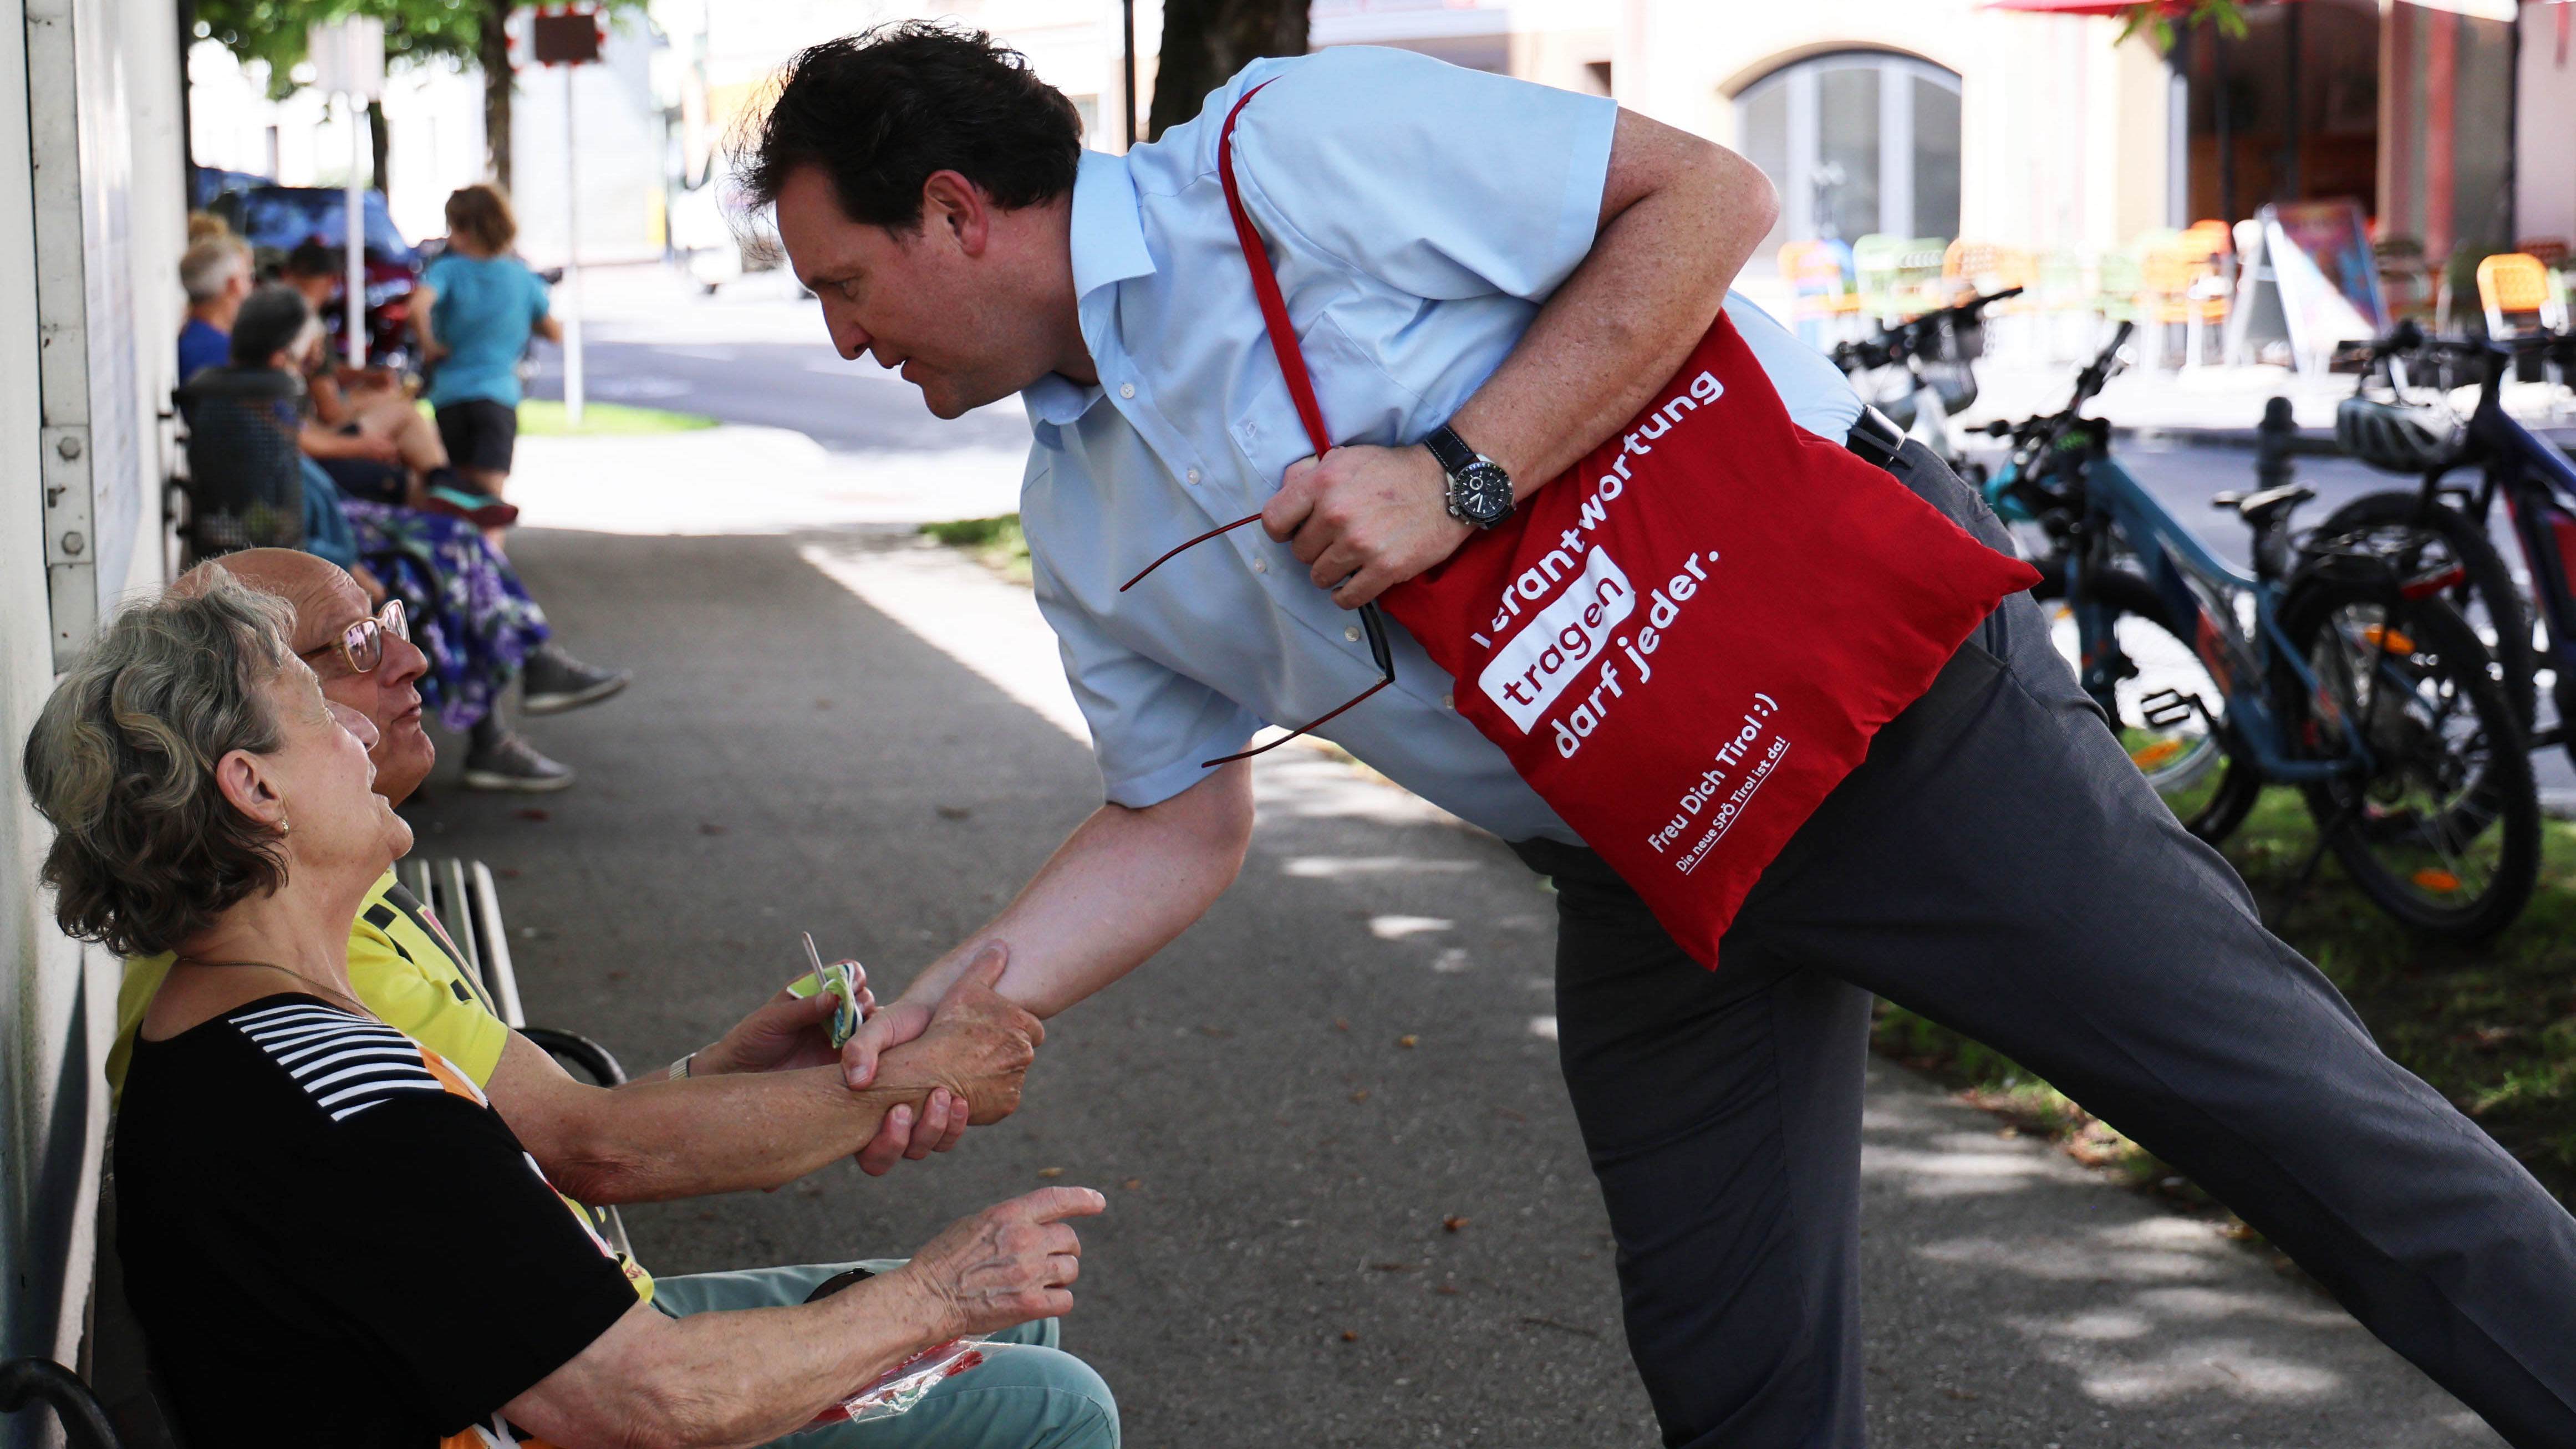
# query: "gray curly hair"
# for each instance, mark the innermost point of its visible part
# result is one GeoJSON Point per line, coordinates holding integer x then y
{"type": "Point", "coordinates": [147, 852]}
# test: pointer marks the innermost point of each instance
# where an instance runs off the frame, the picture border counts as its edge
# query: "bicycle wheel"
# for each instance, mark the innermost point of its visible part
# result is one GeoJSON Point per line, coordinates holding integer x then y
{"type": "Point", "coordinates": [2444, 832]}
{"type": "Point", "coordinates": [2187, 761]}
{"type": "Point", "coordinates": [2396, 526]}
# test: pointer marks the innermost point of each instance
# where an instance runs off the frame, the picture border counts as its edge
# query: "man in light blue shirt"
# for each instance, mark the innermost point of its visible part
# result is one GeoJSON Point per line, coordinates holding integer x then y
{"type": "Point", "coordinates": [1466, 257]}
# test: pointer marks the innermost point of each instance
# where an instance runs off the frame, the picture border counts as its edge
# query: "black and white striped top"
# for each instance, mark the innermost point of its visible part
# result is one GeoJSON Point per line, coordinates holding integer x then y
{"type": "Point", "coordinates": [345, 1063]}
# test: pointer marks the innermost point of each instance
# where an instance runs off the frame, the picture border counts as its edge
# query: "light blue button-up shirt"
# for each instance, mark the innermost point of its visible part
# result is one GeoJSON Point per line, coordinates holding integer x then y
{"type": "Point", "coordinates": [1417, 215]}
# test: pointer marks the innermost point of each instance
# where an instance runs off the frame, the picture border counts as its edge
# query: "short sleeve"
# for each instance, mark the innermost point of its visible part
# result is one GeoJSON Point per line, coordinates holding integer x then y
{"type": "Point", "coordinates": [1150, 727]}
{"type": "Point", "coordinates": [463, 1272]}
{"type": "Point", "coordinates": [434, 276]}
{"type": "Point", "coordinates": [1437, 180]}
{"type": "Point", "coordinates": [430, 1006]}
{"type": "Point", "coordinates": [541, 299]}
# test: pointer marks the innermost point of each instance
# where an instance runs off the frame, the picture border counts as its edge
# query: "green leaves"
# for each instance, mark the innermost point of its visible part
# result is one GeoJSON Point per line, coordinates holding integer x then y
{"type": "Point", "coordinates": [273, 31]}
{"type": "Point", "coordinates": [2157, 18]}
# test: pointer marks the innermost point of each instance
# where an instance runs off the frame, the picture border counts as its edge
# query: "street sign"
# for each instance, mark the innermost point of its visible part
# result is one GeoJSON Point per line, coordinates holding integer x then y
{"type": "Point", "coordinates": [566, 37]}
{"type": "Point", "coordinates": [349, 57]}
{"type": "Point", "coordinates": [569, 37]}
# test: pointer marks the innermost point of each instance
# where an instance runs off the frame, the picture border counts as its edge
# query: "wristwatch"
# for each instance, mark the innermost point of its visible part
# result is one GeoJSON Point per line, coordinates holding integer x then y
{"type": "Point", "coordinates": [1480, 492]}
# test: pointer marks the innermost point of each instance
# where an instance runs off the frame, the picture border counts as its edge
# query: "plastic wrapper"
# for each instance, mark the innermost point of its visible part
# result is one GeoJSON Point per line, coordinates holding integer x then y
{"type": "Point", "coordinates": [899, 1388]}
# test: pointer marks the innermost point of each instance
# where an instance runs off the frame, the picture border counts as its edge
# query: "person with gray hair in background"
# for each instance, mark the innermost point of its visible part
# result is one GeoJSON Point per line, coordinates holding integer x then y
{"type": "Point", "coordinates": [215, 273]}
{"type": "Point", "coordinates": [330, 1236]}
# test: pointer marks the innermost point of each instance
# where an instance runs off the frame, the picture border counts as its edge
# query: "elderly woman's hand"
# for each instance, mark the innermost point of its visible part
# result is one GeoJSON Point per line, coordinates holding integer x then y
{"type": "Point", "coordinates": [1009, 1264]}
{"type": "Point", "coordinates": [978, 1046]}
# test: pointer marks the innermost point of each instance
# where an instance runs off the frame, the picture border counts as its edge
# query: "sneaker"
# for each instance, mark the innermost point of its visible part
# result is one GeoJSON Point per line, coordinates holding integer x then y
{"type": "Point", "coordinates": [555, 682]}
{"type": "Point", "coordinates": [480, 509]}
{"type": "Point", "coordinates": [514, 764]}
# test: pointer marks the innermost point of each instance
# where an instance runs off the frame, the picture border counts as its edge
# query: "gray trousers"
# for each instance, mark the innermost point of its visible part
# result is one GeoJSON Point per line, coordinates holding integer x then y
{"type": "Point", "coordinates": [1999, 866]}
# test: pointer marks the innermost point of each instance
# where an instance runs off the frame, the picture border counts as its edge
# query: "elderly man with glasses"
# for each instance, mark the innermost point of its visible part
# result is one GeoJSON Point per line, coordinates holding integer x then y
{"type": "Point", "coordinates": [762, 1106]}
{"type": "Point", "coordinates": [1486, 278]}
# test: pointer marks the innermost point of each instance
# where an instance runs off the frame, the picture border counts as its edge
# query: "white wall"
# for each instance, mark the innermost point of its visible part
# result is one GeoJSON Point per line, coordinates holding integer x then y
{"type": "Point", "coordinates": [2545, 125]}
{"type": "Point", "coordinates": [111, 290]}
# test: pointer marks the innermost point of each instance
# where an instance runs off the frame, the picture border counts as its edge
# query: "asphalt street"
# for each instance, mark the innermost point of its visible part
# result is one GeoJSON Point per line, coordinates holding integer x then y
{"type": "Point", "coordinates": [1348, 1205]}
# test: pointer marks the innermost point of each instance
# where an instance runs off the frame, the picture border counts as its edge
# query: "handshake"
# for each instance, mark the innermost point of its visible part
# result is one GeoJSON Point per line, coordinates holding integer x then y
{"type": "Point", "coordinates": [964, 1057]}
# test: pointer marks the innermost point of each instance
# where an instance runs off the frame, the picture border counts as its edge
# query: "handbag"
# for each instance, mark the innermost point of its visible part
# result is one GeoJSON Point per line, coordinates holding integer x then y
{"type": "Point", "coordinates": [1687, 640]}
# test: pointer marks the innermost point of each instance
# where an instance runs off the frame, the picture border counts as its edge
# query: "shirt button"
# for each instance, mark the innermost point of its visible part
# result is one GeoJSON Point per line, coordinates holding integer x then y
{"type": "Point", "coordinates": [1126, 389]}
{"type": "Point", "coordinates": [1449, 701]}
{"type": "Point", "coordinates": [1193, 475]}
{"type": "Point", "coordinates": [1261, 566]}
{"type": "Point", "coordinates": [1352, 634]}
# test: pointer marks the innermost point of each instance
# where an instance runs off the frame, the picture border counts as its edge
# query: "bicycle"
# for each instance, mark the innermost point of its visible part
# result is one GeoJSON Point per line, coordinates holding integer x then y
{"type": "Point", "coordinates": [2327, 669]}
{"type": "Point", "coordinates": [2442, 524]}
{"type": "Point", "coordinates": [1936, 355]}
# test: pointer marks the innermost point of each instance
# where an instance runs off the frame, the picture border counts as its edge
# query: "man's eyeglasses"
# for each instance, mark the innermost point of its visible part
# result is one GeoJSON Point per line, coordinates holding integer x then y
{"type": "Point", "coordinates": [1370, 620]}
{"type": "Point", "coordinates": [362, 644]}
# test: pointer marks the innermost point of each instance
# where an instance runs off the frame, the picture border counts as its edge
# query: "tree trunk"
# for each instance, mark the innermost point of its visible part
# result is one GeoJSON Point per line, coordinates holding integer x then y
{"type": "Point", "coordinates": [493, 54]}
{"type": "Point", "coordinates": [380, 141]}
{"type": "Point", "coordinates": [1206, 41]}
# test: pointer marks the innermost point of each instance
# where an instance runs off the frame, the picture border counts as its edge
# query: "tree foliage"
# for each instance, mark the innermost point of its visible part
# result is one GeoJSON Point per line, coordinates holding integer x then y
{"type": "Point", "coordinates": [273, 32]}
{"type": "Point", "coordinates": [1206, 41]}
{"type": "Point", "coordinates": [2157, 17]}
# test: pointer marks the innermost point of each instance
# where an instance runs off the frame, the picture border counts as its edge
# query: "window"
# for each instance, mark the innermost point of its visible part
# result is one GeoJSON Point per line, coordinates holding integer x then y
{"type": "Point", "coordinates": [1857, 142]}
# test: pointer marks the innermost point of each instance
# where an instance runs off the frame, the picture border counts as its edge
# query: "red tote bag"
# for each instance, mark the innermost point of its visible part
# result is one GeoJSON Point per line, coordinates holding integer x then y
{"type": "Point", "coordinates": [1686, 641]}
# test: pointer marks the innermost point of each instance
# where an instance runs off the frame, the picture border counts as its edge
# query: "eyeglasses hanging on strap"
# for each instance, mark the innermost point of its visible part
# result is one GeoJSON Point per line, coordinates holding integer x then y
{"type": "Point", "coordinates": [1301, 387]}
{"type": "Point", "coordinates": [1370, 620]}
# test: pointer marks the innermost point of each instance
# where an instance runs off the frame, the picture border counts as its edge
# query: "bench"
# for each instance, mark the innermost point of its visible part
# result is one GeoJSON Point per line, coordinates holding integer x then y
{"type": "Point", "coordinates": [464, 897]}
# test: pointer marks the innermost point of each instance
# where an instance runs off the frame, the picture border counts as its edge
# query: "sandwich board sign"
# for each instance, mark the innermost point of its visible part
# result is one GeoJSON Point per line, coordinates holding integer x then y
{"type": "Point", "coordinates": [2310, 280]}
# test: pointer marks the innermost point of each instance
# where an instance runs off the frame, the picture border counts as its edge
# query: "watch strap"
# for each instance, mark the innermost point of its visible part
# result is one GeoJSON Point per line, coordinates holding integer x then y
{"type": "Point", "coordinates": [1452, 451]}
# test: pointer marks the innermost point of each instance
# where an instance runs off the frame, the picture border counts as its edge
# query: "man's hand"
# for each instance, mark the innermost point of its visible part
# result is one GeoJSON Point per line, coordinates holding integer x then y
{"type": "Point", "coordinates": [788, 1032]}
{"type": "Point", "coordinates": [1365, 519]}
{"type": "Point", "coordinates": [1009, 1264]}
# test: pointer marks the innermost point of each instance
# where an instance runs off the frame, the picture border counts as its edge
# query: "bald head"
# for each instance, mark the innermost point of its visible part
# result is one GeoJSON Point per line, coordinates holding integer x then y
{"type": "Point", "coordinates": [327, 603]}
{"type": "Point", "coordinates": [324, 595]}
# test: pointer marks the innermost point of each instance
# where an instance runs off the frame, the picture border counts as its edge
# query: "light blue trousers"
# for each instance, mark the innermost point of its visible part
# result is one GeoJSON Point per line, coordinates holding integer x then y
{"type": "Point", "coordinates": [1026, 1394]}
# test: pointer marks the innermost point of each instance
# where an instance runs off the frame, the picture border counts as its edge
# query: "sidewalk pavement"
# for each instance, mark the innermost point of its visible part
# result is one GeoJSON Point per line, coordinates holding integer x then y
{"type": "Point", "coordinates": [851, 732]}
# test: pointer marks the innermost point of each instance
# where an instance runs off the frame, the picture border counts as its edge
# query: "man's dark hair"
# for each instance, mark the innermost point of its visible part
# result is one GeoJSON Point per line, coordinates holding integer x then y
{"type": "Point", "coordinates": [882, 110]}
{"type": "Point", "coordinates": [313, 258]}
{"type": "Point", "coordinates": [270, 321]}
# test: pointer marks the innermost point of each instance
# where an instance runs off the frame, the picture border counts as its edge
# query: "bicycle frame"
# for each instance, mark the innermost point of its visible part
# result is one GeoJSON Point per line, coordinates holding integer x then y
{"type": "Point", "coordinates": [2172, 558]}
{"type": "Point", "coordinates": [2535, 480]}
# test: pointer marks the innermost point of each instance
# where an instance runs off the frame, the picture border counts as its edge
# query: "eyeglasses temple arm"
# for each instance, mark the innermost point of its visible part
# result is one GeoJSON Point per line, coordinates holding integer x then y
{"type": "Point", "coordinates": [1193, 543]}
{"type": "Point", "coordinates": [1307, 728]}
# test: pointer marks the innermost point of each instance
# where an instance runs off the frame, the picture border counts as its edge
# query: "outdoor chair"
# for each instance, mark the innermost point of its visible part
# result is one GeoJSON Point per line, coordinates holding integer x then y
{"type": "Point", "coordinates": [1878, 261]}
{"type": "Point", "coordinates": [1819, 275]}
{"type": "Point", "coordinates": [2405, 278]}
{"type": "Point", "coordinates": [245, 481]}
{"type": "Point", "coordinates": [2521, 296]}
{"type": "Point", "coordinates": [2180, 281]}
{"type": "Point", "coordinates": [461, 894]}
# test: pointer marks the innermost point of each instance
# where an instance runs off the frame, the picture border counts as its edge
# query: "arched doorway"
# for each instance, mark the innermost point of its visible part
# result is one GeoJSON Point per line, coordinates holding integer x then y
{"type": "Point", "coordinates": [1857, 141]}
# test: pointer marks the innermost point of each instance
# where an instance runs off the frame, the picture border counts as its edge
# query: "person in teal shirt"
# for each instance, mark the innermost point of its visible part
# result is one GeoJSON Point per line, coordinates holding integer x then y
{"type": "Point", "coordinates": [477, 306]}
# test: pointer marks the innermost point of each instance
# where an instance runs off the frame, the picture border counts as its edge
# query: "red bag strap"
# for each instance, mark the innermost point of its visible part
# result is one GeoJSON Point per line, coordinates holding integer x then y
{"type": "Point", "coordinates": [1265, 286]}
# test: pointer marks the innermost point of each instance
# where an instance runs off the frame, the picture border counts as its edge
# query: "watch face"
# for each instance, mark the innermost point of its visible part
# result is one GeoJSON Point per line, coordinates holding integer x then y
{"type": "Point", "coordinates": [1483, 492]}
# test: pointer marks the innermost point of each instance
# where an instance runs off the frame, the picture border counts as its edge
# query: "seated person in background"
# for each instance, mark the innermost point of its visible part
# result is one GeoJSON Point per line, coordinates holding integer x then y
{"type": "Point", "coordinates": [215, 273]}
{"type": "Point", "coordinates": [364, 430]}
{"type": "Point", "coordinates": [332, 1237]}
{"type": "Point", "coordinates": [474, 619]}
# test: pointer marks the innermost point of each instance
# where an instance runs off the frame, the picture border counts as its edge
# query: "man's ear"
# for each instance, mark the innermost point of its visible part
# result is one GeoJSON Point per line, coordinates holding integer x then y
{"type": "Point", "coordinates": [244, 780]}
{"type": "Point", "coordinates": [950, 201]}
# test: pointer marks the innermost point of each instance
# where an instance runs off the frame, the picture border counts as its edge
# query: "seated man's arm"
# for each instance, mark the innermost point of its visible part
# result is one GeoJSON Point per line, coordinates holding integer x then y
{"type": "Point", "coordinates": [749, 1377]}
{"type": "Point", "coordinates": [652, 1141]}
{"type": "Point", "coordinates": [1119, 889]}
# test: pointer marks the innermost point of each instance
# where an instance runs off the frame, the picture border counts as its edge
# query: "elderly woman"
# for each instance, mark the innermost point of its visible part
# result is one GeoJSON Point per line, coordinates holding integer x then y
{"type": "Point", "coordinates": [330, 1237]}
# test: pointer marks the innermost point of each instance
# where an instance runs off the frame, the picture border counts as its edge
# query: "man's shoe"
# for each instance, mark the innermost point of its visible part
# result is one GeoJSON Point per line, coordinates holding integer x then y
{"type": "Point", "coordinates": [514, 764]}
{"type": "Point", "coordinates": [555, 682]}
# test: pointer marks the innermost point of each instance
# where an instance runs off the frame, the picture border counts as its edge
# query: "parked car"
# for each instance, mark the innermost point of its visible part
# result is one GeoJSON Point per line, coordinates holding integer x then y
{"type": "Point", "coordinates": [277, 219]}
{"type": "Point", "coordinates": [719, 237]}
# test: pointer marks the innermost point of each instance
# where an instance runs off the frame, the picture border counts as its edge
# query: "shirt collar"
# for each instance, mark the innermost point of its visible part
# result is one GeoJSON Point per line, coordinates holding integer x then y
{"type": "Point", "coordinates": [1108, 240]}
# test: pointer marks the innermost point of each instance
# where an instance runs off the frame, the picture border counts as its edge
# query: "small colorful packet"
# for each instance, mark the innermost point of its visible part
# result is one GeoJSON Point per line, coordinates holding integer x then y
{"type": "Point", "coordinates": [899, 1388]}
{"type": "Point", "coordinates": [837, 979]}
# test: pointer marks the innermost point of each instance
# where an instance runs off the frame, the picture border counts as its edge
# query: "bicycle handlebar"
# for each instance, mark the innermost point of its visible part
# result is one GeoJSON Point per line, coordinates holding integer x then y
{"type": "Point", "coordinates": [1907, 338]}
